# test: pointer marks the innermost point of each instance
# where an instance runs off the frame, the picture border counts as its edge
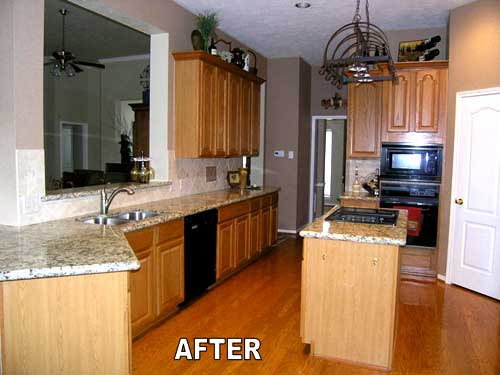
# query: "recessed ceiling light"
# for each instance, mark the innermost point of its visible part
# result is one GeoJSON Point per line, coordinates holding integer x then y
{"type": "Point", "coordinates": [302, 5]}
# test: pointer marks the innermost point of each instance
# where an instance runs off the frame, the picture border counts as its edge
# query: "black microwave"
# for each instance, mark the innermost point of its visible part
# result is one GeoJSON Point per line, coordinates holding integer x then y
{"type": "Point", "coordinates": [407, 162]}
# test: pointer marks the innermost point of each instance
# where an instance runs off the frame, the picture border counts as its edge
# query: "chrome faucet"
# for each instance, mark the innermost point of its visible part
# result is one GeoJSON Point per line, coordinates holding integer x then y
{"type": "Point", "coordinates": [106, 200]}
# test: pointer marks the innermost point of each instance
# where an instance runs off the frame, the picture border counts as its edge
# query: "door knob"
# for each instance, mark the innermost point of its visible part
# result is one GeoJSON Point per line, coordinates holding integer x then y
{"type": "Point", "coordinates": [459, 201]}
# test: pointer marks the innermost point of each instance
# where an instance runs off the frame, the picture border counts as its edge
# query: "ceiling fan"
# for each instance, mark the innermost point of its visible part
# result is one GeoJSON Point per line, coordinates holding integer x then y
{"type": "Point", "coordinates": [65, 61]}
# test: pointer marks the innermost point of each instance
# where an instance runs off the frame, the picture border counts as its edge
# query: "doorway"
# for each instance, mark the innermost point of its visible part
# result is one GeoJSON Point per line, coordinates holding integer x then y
{"type": "Point", "coordinates": [474, 244]}
{"type": "Point", "coordinates": [327, 163]}
{"type": "Point", "coordinates": [74, 146]}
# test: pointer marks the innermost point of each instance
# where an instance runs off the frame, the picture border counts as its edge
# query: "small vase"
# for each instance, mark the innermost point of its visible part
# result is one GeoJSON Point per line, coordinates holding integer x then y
{"type": "Point", "coordinates": [197, 40]}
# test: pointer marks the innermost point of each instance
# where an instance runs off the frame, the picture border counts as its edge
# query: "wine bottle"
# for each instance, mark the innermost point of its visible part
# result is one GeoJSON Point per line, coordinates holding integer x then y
{"type": "Point", "coordinates": [428, 43]}
{"type": "Point", "coordinates": [212, 49]}
{"type": "Point", "coordinates": [429, 55]}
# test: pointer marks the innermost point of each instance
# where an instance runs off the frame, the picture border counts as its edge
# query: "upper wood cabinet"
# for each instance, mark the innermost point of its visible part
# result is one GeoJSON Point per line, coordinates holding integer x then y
{"type": "Point", "coordinates": [364, 118]}
{"type": "Point", "coordinates": [415, 104]}
{"type": "Point", "coordinates": [215, 107]}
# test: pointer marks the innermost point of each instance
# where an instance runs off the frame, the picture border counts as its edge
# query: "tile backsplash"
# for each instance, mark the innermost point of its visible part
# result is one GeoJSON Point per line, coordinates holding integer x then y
{"type": "Point", "coordinates": [365, 167]}
{"type": "Point", "coordinates": [187, 176]}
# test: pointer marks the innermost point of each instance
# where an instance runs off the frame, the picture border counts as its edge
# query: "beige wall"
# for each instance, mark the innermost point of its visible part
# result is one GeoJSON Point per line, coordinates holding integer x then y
{"type": "Point", "coordinates": [304, 144]}
{"type": "Point", "coordinates": [473, 64]}
{"type": "Point", "coordinates": [288, 128]}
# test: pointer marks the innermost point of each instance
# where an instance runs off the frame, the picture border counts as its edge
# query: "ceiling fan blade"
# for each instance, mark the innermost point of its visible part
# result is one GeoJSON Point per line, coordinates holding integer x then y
{"type": "Point", "coordinates": [77, 68]}
{"type": "Point", "coordinates": [86, 63]}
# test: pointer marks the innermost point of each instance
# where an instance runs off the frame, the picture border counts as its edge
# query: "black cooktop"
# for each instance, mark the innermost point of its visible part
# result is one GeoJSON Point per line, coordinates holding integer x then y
{"type": "Point", "coordinates": [365, 215]}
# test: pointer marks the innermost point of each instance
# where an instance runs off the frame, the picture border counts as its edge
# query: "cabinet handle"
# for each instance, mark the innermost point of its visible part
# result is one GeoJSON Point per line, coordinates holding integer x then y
{"type": "Point", "coordinates": [375, 261]}
{"type": "Point", "coordinates": [323, 256]}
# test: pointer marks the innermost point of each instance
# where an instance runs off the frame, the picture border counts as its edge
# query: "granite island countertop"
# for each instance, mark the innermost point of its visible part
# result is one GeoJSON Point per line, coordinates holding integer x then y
{"type": "Point", "coordinates": [358, 232]}
{"type": "Point", "coordinates": [70, 247]}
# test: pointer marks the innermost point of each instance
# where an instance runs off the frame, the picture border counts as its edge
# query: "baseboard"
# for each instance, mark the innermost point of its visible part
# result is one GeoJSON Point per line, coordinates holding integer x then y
{"type": "Point", "coordinates": [291, 231]}
{"type": "Point", "coordinates": [287, 231]}
{"type": "Point", "coordinates": [441, 277]}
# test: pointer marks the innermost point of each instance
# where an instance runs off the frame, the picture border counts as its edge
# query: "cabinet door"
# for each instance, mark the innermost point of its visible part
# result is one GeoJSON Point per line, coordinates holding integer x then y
{"type": "Point", "coordinates": [364, 118]}
{"type": "Point", "coordinates": [427, 101]}
{"type": "Point", "coordinates": [254, 234]}
{"type": "Point", "coordinates": [225, 234]}
{"type": "Point", "coordinates": [233, 129]}
{"type": "Point", "coordinates": [255, 120]}
{"type": "Point", "coordinates": [221, 121]}
{"type": "Point", "coordinates": [170, 275]}
{"type": "Point", "coordinates": [208, 110]}
{"type": "Point", "coordinates": [399, 97]}
{"type": "Point", "coordinates": [240, 247]}
{"type": "Point", "coordinates": [273, 226]}
{"type": "Point", "coordinates": [142, 281]}
{"type": "Point", "coordinates": [245, 116]}
{"type": "Point", "coordinates": [265, 239]}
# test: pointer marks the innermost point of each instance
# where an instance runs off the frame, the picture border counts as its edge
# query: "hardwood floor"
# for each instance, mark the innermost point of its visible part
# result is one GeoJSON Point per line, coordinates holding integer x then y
{"type": "Point", "coordinates": [442, 329]}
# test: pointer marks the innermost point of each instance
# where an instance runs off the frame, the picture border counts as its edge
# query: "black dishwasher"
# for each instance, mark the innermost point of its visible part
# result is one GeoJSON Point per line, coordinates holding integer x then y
{"type": "Point", "coordinates": [200, 242]}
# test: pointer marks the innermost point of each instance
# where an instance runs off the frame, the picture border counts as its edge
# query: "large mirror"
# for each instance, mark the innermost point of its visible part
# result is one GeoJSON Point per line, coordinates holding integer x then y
{"type": "Point", "coordinates": [96, 95]}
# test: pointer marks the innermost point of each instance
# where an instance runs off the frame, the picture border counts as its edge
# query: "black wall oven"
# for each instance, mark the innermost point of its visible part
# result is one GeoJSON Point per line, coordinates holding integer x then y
{"type": "Point", "coordinates": [422, 202]}
{"type": "Point", "coordinates": [407, 162]}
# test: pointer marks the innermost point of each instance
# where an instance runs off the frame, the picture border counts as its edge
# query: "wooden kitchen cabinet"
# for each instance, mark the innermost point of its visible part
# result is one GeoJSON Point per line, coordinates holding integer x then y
{"type": "Point", "coordinates": [225, 235]}
{"type": "Point", "coordinates": [255, 119]}
{"type": "Point", "coordinates": [158, 286]}
{"type": "Point", "coordinates": [142, 282]}
{"type": "Point", "coordinates": [415, 105]}
{"type": "Point", "coordinates": [214, 107]}
{"type": "Point", "coordinates": [141, 129]}
{"type": "Point", "coordinates": [241, 234]}
{"type": "Point", "coordinates": [244, 230]}
{"type": "Point", "coordinates": [254, 247]}
{"type": "Point", "coordinates": [170, 255]}
{"type": "Point", "coordinates": [364, 120]}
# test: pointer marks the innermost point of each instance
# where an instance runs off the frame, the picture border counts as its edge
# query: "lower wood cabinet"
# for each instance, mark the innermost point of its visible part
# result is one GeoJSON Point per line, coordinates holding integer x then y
{"type": "Point", "coordinates": [158, 286]}
{"type": "Point", "coordinates": [254, 247]}
{"type": "Point", "coordinates": [225, 235]}
{"type": "Point", "coordinates": [244, 230]}
{"type": "Point", "coordinates": [241, 238]}
{"type": "Point", "coordinates": [170, 274]}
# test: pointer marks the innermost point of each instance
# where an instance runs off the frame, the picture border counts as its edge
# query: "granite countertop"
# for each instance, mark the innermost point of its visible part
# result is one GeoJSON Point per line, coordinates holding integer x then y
{"type": "Point", "coordinates": [357, 232]}
{"type": "Point", "coordinates": [363, 196]}
{"type": "Point", "coordinates": [70, 247]}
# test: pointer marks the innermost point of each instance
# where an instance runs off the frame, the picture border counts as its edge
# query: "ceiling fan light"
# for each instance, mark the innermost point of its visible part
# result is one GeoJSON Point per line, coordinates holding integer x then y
{"type": "Point", "coordinates": [56, 70]}
{"type": "Point", "coordinates": [70, 71]}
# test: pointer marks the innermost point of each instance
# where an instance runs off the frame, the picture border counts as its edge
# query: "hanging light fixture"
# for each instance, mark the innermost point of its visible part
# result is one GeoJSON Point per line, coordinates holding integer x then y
{"type": "Point", "coordinates": [354, 50]}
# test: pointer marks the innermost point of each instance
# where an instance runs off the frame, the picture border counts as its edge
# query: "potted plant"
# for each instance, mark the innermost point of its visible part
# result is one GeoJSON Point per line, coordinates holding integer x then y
{"type": "Point", "coordinates": [207, 22]}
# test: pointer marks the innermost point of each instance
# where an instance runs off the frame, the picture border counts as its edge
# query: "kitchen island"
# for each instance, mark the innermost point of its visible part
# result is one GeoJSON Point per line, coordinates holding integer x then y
{"type": "Point", "coordinates": [350, 275]}
{"type": "Point", "coordinates": [65, 288]}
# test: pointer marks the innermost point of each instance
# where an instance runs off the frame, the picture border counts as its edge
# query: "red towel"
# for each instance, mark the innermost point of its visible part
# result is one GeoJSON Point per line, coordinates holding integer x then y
{"type": "Point", "coordinates": [414, 219]}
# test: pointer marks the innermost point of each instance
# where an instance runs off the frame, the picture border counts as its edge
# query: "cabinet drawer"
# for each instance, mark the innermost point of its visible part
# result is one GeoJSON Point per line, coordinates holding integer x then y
{"type": "Point", "coordinates": [255, 204]}
{"type": "Point", "coordinates": [359, 203]}
{"type": "Point", "coordinates": [170, 230]}
{"type": "Point", "coordinates": [234, 210]}
{"type": "Point", "coordinates": [141, 240]}
{"type": "Point", "coordinates": [267, 200]}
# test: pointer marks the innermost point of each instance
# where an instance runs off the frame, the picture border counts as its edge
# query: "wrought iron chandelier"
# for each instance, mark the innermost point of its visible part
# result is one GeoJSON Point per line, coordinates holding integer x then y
{"type": "Point", "coordinates": [354, 50]}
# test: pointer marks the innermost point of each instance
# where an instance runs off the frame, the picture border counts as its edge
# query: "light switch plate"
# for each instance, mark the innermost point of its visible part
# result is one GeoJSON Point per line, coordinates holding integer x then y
{"type": "Point", "coordinates": [290, 155]}
{"type": "Point", "coordinates": [279, 153]}
{"type": "Point", "coordinates": [211, 174]}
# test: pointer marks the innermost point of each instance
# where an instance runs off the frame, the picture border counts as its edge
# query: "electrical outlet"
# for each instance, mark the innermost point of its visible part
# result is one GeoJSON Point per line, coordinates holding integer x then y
{"type": "Point", "coordinates": [211, 174]}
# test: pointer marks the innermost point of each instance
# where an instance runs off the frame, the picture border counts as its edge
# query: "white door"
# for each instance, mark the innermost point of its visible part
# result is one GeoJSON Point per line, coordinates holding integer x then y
{"type": "Point", "coordinates": [475, 215]}
{"type": "Point", "coordinates": [67, 156]}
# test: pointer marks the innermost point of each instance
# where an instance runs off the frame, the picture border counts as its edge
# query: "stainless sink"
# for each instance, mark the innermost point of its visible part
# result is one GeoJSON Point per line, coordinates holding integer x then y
{"type": "Point", "coordinates": [103, 220]}
{"type": "Point", "coordinates": [136, 215]}
{"type": "Point", "coordinates": [124, 217]}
